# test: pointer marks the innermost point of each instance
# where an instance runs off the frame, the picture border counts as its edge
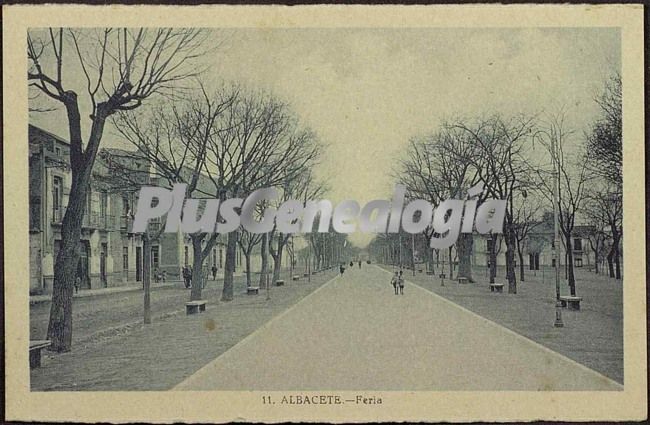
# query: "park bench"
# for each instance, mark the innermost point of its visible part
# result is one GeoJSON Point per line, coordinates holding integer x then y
{"type": "Point", "coordinates": [296, 277]}
{"type": "Point", "coordinates": [314, 272]}
{"type": "Point", "coordinates": [463, 280]}
{"type": "Point", "coordinates": [496, 286]}
{"type": "Point", "coordinates": [279, 282]}
{"type": "Point", "coordinates": [420, 270]}
{"type": "Point", "coordinates": [572, 302]}
{"type": "Point", "coordinates": [305, 274]}
{"type": "Point", "coordinates": [253, 290]}
{"type": "Point", "coordinates": [35, 348]}
{"type": "Point", "coordinates": [441, 275]}
{"type": "Point", "coordinates": [430, 272]}
{"type": "Point", "coordinates": [193, 307]}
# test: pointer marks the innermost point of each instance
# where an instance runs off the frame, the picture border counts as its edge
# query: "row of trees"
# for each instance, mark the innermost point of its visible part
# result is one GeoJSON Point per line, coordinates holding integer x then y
{"type": "Point", "coordinates": [220, 143]}
{"type": "Point", "coordinates": [504, 154]}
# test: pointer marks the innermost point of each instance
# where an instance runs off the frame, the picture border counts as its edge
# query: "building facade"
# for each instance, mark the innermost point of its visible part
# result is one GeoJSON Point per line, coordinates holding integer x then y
{"type": "Point", "coordinates": [110, 253]}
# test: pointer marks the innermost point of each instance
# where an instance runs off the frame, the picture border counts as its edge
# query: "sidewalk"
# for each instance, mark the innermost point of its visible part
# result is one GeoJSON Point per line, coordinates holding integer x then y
{"type": "Point", "coordinates": [131, 286]}
{"type": "Point", "coordinates": [592, 336]}
{"type": "Point", "coordinates": [128, 287]}
{"type": "Point", "coordinates": [160, 355]}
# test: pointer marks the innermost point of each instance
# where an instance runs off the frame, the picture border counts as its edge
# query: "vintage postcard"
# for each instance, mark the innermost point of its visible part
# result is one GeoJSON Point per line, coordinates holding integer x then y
{"type": "Point", "coordinates": [324, 213]}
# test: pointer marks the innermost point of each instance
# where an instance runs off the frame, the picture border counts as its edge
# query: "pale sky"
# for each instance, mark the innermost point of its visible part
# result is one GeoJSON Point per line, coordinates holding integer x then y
{"type": "Point", "coordinates": [365, 92]}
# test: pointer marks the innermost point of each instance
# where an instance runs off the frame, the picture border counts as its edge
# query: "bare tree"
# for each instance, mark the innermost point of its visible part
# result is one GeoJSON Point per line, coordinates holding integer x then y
{"type": "Point", "coordinates": [605, 159]}
{"type": "Point", "coordinates": [174, 139]}
{"type": "Point", "coordinates": [441, 165]}
{"type": "Point", "coordinates": [247, 241]}
{"type": "Point", "coordinates": [258, 143]}
{"type": "Point", "coordinates": [573, 175]}
{"type": "Point", "coordinates": [524, 222]}
{"type": "Point", "coordinates": [122, 68]}
{"type": "Point", "coordinates": [604, 206]}
{"type": "Point", "coordinates": [502, 149]}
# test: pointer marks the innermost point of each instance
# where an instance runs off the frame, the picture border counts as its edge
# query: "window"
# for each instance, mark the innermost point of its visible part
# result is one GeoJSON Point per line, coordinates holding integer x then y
{"type": "Point", "coordinates": [58, 151]}
{"type": "Point", "coordinates": [125, 258]}
{"type": "Point", "coordinates": [578, 262]}
{"type": "Point", "coordinates": [125, 205]}
{"type": "Point", "coordinates": [155, 259]}
{"type": "Point", "coordinates": [103, 205]}
{"type": "Point", "coordinates": [57, 188]}
{"type": "Point", "coordinates": [577, 244]}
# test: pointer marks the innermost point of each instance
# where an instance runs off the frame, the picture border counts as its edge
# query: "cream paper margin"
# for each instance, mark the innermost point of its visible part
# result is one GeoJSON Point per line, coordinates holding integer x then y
{"type": "Point", "coordinates": [21, 404]}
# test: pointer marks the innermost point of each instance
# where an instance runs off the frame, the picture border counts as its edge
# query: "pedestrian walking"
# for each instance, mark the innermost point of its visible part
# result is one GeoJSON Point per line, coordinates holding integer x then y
{"type": "Point", "coordinates": [395, 281]}
{"type": "Point", "coordinates": [341, 269]}
{"type": "Point", "coordinates": [351, 263]}
{"type": "Point", "coordinates": [214, 272]}
{"type": "Point", "coordinates": [400, 281]}
{"type": "Point", "coordinates": [77, 284]}
{"type": "Point", "coordinates": [359, 263]}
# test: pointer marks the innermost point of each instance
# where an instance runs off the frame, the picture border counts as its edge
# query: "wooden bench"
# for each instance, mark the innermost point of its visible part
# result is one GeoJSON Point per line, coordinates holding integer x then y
{"type": "Point", "coordinates": [441, 275]}
{"type": "Point", "coordinates": [296, 277]}
{"type": "Point", "coordinates": [305, 274]}
{"type": "Point", "coordinates": [429, 272]}
{"type": "Point", "coordinates": [572, 302]}
{"type": "Point", "coordinates": [279, 282]}
{"type": "Point", "coordinates": [35, 348]}
{"type": "Point", "coordinates": [420, 270]}
{"type": "Point", "coordinates": [314, 272]}
{"type": "Point", "coordinates": [253, 290]}
{"type": "Point", "coordinates": [463, 280]}
{"type": "Point", "coordinates": [193, 307]}
{"type": "Point", "coordinates": [496, 286]}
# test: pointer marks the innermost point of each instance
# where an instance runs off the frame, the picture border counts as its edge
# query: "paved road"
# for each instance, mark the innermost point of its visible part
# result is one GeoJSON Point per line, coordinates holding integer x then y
{"type": "Point", "coordinates": [355, 334]}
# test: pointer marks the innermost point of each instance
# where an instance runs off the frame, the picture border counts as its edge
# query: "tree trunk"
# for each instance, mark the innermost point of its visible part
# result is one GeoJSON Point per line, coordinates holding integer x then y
{"type": "Point", "coordinates": [59, 330]}
{"type": "Point", "coordinates": [265, 259]}
{"type": "Point", "coordinates": [451, 265]}
{"type": "Point", "coordinates": [521, 265]}
{"type": "Point", "coordinates": [277, 261]}
{"type": "Point", "coordinates": [510, 261]}
{"type": "Point", "coordinates": [569, 265]}
{"type": "Point", "coordinates": [65, 268]}
{"type": "Point", "coordinates": [247, 256]}
{"type": "Point", "coordinates": [493, 259]}
{"type": "Point", "coordinates": [464, 247]}
{"type": "Point", "coordinates": [229, 267]}
{"type": "Point", "coordinates": [616, 239]}
{"type": "Point", "coordinates": [197, 268]}
{"type": "Point", "coordinates": [610, 261]}
{"type": "Point", "coordinates": [146, 277]}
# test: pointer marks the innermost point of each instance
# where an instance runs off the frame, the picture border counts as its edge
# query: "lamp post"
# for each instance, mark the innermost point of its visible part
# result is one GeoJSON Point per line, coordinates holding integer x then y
{"type": "Point", "coordinates": [556, 187]}
{"type": "Point", "coordinates": [556, 220]}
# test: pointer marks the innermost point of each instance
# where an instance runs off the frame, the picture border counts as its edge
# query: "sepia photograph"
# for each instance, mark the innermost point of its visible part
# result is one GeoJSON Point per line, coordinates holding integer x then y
{"type": "Point", "coordinates": [331, 216]}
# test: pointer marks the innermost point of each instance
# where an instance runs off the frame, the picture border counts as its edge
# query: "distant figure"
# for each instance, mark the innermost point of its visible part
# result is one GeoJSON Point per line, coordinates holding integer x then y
{"type": "Point", "coordinates": [156, 275]}
{"type": "Point", "coordinates": [395, 282]}
{"type": "Point", "coordinates": [400, 281]}
{"type": "Point", "coordinates": [186, 276]}
{"type": "Point", "coordinates": [214, 272]}
{"type": "Point", "coordinates": [190, 273]}
{"type": "Point", "coordinates": [341, 268]}
{"type": "Point", "coordinates": [164, 276]}
{"type": "Point", "coordinates": [359, 263]}
{"type": "Point", "coordinates": [77, 284]}
{"type": "Point", "coordinates": [351, 263]}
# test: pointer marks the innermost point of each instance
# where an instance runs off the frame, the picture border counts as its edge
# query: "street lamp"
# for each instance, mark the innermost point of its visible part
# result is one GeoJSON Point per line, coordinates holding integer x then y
{"type": "Point", "coordinates": [556, 239]}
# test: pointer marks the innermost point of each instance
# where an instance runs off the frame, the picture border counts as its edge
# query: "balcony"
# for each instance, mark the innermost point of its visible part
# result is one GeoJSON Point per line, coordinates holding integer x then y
{"type": "Point", "coordinates": [126, 224]}
{"type": "Point", "coordinates": [93, 220]}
